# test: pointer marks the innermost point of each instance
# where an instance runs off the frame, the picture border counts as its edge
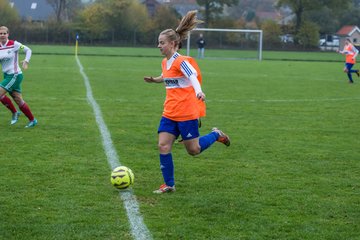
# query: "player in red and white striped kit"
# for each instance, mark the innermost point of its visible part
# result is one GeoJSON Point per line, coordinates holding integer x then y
{"type": "Point", "coordinates": [11, 83]}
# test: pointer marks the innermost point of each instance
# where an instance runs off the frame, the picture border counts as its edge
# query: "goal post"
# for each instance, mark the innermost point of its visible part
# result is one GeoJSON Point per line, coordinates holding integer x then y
{"type": "Point", "coordinates": [238, 42]}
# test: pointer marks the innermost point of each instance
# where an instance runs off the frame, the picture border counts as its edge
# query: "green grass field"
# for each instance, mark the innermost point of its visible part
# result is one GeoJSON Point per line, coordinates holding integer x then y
{"type": "Point", "coordinates": [292, 170]}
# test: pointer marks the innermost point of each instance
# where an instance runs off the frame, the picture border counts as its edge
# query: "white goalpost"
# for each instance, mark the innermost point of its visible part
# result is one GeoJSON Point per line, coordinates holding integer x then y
{"type": "Point", "coordinates": [239, 43]}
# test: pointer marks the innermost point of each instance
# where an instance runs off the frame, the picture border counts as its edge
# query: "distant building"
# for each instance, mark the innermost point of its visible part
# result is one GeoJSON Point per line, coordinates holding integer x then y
{"type": "Point", "coordinates": [33, 10]}
{"type": "Point", "coordinates": [181, 6]}
{"type": "Point", "coordinates": [287, 16]}
{"type": "Point", "coordinates": [349, 31]}
{"type": "Point", "coordinates": [151, 6]}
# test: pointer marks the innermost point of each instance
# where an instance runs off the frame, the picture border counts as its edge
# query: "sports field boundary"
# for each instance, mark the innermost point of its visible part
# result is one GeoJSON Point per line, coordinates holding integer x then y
{"type": "Point", "coordinates": [138, 229]}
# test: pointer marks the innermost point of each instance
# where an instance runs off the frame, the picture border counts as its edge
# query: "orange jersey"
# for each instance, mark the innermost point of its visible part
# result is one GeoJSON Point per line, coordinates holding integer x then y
{"type": "Point", "coordinates": [181, 103]}
{"type": "Point", "coordinates": [350, 52]}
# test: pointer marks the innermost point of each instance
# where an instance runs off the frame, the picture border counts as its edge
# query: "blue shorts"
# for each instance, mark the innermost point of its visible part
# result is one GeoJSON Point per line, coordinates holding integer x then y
{"type": "Point", "coordinates": [349, 66]}
{"type": "Point", "coordinates": [187, 129]}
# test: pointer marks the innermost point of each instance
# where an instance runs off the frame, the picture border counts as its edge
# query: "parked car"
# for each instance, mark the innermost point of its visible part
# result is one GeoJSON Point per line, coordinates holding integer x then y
{"type": "Point", "coordinates": [329, 43]}
{"type": "Point", "coordinates": [287, 38]}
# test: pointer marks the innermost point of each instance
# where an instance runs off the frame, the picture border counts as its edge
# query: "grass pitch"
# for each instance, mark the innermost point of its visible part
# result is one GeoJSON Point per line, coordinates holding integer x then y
{"type": "Point", "coordinates": [291, 172]}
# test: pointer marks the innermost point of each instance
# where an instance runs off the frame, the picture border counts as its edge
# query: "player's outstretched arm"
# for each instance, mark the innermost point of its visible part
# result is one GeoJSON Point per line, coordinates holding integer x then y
{"type": "Point", "coordinates": [158, 79]}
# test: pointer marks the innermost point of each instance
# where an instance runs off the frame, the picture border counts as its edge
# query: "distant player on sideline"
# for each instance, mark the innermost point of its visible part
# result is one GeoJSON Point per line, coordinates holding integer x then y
{"type": "Point", "coordinates": [350, 53]}
{"type": "Point", "coordinates": [9, 59]}
{"type": "Point", "coordinates": [184, 103]}
{"type": "Point", "coordinates": [201, 46]}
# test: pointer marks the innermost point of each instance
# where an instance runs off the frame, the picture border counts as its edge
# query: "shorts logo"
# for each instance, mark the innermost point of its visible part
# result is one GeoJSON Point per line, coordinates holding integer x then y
{"type": "Point", "coordinates": [189, 135]}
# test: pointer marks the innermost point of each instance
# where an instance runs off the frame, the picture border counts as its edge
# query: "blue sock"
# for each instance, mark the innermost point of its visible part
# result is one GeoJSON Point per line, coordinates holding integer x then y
{"type": "Point", "coordinates": [207, 140]}
{"type": "Point", "coordinates": [167, 169]}
{"type": "Point", "coordinates": [350, 77]}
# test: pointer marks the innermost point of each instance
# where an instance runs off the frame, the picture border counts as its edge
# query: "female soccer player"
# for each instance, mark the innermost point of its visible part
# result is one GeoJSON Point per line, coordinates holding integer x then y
{"type": "Point", "coordinates": [9, 59]}
{"type": "Point", "coordinates": [201, 46]}
{"type": "Point", "coordinates": [350, 59]}
{"type": "Point", "coordinates": [184, 103]}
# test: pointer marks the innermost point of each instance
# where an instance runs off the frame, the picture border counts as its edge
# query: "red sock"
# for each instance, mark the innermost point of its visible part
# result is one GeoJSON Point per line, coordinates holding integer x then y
{"type": "Point", "coordinates": [26, 110]}
{"type": "Point", "coordinates": [8, 103]}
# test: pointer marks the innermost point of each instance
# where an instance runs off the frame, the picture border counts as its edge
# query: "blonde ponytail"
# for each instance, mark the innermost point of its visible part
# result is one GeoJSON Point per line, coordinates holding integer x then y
{"type": "Point", "coordinates": [187, 23]}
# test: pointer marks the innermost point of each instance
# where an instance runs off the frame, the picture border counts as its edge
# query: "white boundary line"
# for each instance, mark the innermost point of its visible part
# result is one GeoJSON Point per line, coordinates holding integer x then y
{"type": "Point", "coordinates": [138, 228]}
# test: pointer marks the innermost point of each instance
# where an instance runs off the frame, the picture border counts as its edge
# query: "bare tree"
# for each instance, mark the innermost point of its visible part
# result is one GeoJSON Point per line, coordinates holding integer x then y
{"type": "Point", "coordinates": [64, 9]}
{"type": "Point", "coordinates": [59, 7]}
{"type": "Point", "coordinates": [213, 8]}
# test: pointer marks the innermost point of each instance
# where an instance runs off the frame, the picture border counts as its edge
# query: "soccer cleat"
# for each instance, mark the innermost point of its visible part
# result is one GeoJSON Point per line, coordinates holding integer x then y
{"type": "Point", "coordinates": [32, 123]}
{"type": "Point", "coordinates": [15, 118]}
{"type": "Point", "coordinates": [164, 189]}
{"type": "Point", "coordinates": [357, 73]}
{"type": "Point", "coordinates": [223, 138]}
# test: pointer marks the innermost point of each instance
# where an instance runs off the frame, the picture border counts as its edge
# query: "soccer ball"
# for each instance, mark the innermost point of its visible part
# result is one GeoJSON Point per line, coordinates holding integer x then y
{"type": "Point", "coordinates": [122, 177]}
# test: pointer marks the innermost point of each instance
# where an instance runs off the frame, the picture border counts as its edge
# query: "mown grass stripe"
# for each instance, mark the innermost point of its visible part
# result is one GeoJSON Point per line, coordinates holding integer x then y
{"type": "Point", "coordinates": [138, 228]}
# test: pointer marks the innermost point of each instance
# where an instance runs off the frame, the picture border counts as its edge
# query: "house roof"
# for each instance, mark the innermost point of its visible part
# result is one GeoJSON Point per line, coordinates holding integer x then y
{"type": "Point", "coordinates": [184, 8]}
{"type": "Point", "coordinates": [181, 6]}
{"type": "Point", "coordinates": [151, 6]}
{"type": "Point", "coordinates": [347, 30]}
{"type": "Point", "coordinates": [34, 10]}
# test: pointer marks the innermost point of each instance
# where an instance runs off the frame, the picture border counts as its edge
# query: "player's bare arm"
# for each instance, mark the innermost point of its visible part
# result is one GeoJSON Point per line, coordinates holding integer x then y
{"type": "Point", "coordinates": [25, 64]}
{"type": "Point", "coordinates": [158, 79]}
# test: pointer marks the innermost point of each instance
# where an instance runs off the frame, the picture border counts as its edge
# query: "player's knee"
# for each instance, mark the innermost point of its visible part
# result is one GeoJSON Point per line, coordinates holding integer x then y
{"type": "Point", "coordinates": [17, 98]}
{"type": "Point", "coordinates": [194, 150]}
{"type": "Point", "coordinates": [164, 148]}
{"type": "Point", "coordinates": [19, 101]}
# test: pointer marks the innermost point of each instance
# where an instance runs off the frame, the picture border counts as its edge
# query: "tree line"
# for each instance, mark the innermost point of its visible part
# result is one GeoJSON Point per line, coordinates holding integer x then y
{"type": "Point", "coordinates": [128, 22]}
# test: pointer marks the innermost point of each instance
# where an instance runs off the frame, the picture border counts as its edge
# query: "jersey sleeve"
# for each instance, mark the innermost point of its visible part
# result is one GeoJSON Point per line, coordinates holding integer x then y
{"type": "Point", "coordinates": [25, 49]}
{"type": "Point", "coordinates": [355, 50]}
{"type": "Point", "coordinates": [189, 71]}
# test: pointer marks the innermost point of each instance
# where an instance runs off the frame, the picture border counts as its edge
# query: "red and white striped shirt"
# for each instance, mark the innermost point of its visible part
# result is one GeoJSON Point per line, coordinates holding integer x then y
{"type": "Point", "coordinates": [9, 56]}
